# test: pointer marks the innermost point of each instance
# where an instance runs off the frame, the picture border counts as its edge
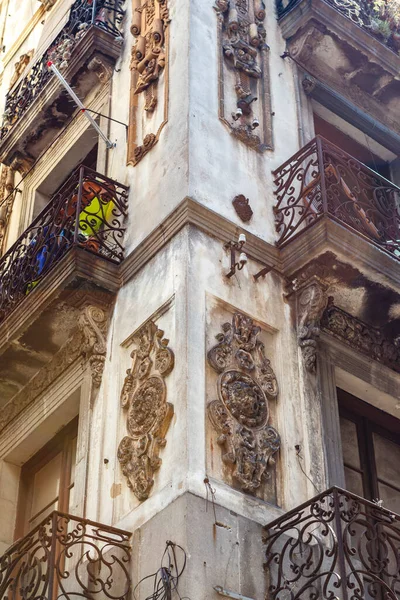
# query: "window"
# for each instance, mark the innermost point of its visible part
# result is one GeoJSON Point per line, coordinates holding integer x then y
{"type": "Point", "coordinates": [47, 480]}
{"type": "Point", "coordinates": [61, 174]}
{"type": "Point", "coordinates": [371, 451]}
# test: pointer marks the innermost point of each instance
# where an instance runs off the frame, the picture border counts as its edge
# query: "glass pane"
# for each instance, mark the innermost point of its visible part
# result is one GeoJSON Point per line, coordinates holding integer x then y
{"type": "Point", "coordinates": [387, 457]}
{"type": "Point", "coordinates": [354, 482]}
{"type": "Point", "coordinates": [46, 485]}
{"type": "Point", "coordinates": [351, 454]}
{"type": "Point", "coordinates": [42, 515]}
{"type": "Point", "coordinates": [390, 497]}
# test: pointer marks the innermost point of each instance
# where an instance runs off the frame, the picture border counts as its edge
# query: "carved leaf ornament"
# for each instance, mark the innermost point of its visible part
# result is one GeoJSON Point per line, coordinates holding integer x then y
{"type": "Point", "coordinates": [144, 398]}
{"type": "Point", "coordinates": [245, 386]}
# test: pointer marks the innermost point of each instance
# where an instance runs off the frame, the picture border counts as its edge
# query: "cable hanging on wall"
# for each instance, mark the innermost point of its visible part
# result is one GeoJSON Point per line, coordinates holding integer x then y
{"type": "Point", "coordinates": [166, 578]}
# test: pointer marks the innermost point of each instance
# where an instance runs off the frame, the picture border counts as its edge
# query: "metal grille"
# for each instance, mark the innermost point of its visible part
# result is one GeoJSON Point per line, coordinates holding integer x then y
{"type": "Point", "coordinates": [323, 180]}
{"type": "Point", "coordinates": [336, 546]}
{"type": "Point", "coordinates": [67, 557]}
{"type": "Point", "coordinates": [87, 212]}
{"type": "Point", "coordinates": [104, 14]}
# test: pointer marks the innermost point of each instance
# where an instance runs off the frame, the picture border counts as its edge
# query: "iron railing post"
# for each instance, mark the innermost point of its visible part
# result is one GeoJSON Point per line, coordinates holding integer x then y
{"type": "Point", "coordinates": [52, 557]}
{"type": "Point", "coordinates": [78, 204]}
{"type": "Point", "coordinates": [94, 11]}
{"type": "Point", "coordinates": [321, 166]}
{"type": "Point", "coordinates": [339, 535]}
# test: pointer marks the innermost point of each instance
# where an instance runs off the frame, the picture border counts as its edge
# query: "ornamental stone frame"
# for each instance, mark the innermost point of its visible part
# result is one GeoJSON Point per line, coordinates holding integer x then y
{"type": "Point", "coordinates": [149, 63]}
{"type": "Point", "coordinates": [245, 385]}
{"type": "Point", "coordinates": [244, 80]}
{"type": "Point", "coordinates": [144, 398]}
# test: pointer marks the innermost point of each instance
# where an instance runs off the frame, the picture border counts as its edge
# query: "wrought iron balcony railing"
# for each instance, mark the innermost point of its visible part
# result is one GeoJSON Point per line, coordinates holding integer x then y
{"type": "Point", "coordinates": [67, 558]}
{"type": "Point", "coordinates": [337, 546]}
{"type": "Point", "coordinates": [381, 18]}
{"type": "Point", "coordinates": [87, 212]}
{"type": "Point", "coordinates": [102, 14]}
{"type": "Point", "coordinates": [322, 180]}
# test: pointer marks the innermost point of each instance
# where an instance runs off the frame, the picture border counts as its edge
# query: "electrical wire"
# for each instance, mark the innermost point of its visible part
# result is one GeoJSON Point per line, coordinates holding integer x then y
{"type": "Point", "coordinates": [166, 578]}
{"type": "Point", "coordinates": [300, 458]}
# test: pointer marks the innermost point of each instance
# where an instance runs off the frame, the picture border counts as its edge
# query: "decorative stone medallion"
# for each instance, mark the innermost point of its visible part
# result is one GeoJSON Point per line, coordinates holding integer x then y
{"type": "Point", "coordinates": [241, 414]}
{"type": "Point", "coordinates": [144, 398]}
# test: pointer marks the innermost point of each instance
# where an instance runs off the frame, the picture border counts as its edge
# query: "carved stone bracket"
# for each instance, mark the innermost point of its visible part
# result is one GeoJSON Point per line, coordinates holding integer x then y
{"type": "Point", "coordinates": [144, 398]}
{"type": "Point", "coordinates": [312, 300]}
{"type": "Point", "coordinates": [149, 61]}
{"type": "Point", "coordinates": [245, 385]}
{"type": "Point", "coordinates": [244, 88]}
{"type": "Point", "coordinates": [361, 336]}
{"type": "Point", "coordinates": [93, 324]}
{"type": "Point", "coordinates": [101, 67]}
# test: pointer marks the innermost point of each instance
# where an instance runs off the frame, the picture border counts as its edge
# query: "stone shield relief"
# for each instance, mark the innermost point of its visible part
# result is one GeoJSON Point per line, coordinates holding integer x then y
{"type": "Point", "coordinates": [246, 384]}
{"type": "Point", "coordinates": [148, 414]}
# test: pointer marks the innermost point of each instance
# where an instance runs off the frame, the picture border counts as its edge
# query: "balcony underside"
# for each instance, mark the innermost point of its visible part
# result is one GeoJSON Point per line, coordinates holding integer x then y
{"type": "Point", "coordinates": [361, 277]}
{"type": "Point", "coordinates": [42, 323]}
{"type": "Point", "coordinates": [346, 57]}
{"type": "Point", "coordinates": [92, 61]}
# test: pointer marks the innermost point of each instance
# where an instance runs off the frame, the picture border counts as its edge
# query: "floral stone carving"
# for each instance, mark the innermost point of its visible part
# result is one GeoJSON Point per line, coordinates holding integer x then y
{"type": "Point", "coordinates": [244, 82]}
{"type": "Point", "coordinates": [150, 19]}
{"type": "Point", "coordinates": [245, 386]}
{"type": "Point", "coordinates": [144, 398]}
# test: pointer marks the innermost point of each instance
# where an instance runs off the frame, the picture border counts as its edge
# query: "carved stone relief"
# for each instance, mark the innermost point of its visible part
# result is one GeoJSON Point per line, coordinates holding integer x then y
{"type": "Point", "coordinates": [245, 385]}
{"type": "Point", "coordinates": [149, 62]}
{"type": "Point", "coordinates": [48, 4]}
{"type": "Point", "coordinates": [312, 300]}
{"type": "Point", "coordinates": [361, 336]}
{"type": "Point", "coordinates": [144, 398]}
{"type": "Point", "coordinates": [6, 202]}
{"type": "Point", "coordinates": [244, 81]}
{"type": "Point", "coordinates": [20, 65]}
{"type": "Point", "coordinates": [87, 341]}
{"type": "Point", "coordinates": [93, 324]}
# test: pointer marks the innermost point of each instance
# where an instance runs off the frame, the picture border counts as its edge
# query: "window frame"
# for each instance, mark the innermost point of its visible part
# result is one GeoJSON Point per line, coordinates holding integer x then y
{"type": "Point", "coordinates": [368, 420]}
{"type": "Point", "coordinates": [60, 443]}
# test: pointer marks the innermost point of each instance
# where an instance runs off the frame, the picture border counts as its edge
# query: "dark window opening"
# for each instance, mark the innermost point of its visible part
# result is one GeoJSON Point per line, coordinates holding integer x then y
{"type": "Point", "coordinates": [371, 451]}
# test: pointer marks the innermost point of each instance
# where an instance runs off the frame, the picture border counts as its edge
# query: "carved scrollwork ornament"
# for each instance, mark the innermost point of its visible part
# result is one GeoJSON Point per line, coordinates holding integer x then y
{"type": "Point", "coordinates": [245, 385]}
{"type": "Point", "coordinates": [144, 398]}
{"type": "Point", "coordinates": [244, 100]}
{"type": "Point", "coordinates": [93, 324]}
{"type": "Point", "coordinates": [311, 303]}
{"type": "Point", "coordinates": [149, 62]}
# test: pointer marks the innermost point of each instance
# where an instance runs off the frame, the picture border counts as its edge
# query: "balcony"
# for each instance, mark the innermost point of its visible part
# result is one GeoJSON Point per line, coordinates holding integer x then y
{"type": "Point", "coordinates": [67, 557]}
{"type": "Point", "coordinates": [69, 255]}
{"type": "Point", "coordinates": [336, 546]}
{"type": "Point", "coordinates": [86, 213]}
{"type": "Point", "coordinates": [322, 181]}
{"type": "Point", "coordinates": [352, 47]}
{"type": "Point", "coordinates": [36, 106]}
{"type": "Point", "coordinates": [381, 19]}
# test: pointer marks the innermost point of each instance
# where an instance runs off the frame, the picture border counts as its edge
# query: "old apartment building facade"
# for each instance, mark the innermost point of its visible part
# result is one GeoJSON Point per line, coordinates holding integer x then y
{"type": "Point", "coordinates": [200, 299]}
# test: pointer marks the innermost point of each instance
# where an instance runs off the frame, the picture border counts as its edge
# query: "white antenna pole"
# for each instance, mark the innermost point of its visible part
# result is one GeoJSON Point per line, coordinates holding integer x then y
{"type": "Point", "coordinates": [71, 92]}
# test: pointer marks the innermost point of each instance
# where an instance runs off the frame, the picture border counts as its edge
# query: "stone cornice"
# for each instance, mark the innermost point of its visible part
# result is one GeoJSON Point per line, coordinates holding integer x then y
{"type": "Point", "coordinates": [327, 235]}
{"type": "Point", "coordinates": [190, 212]}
